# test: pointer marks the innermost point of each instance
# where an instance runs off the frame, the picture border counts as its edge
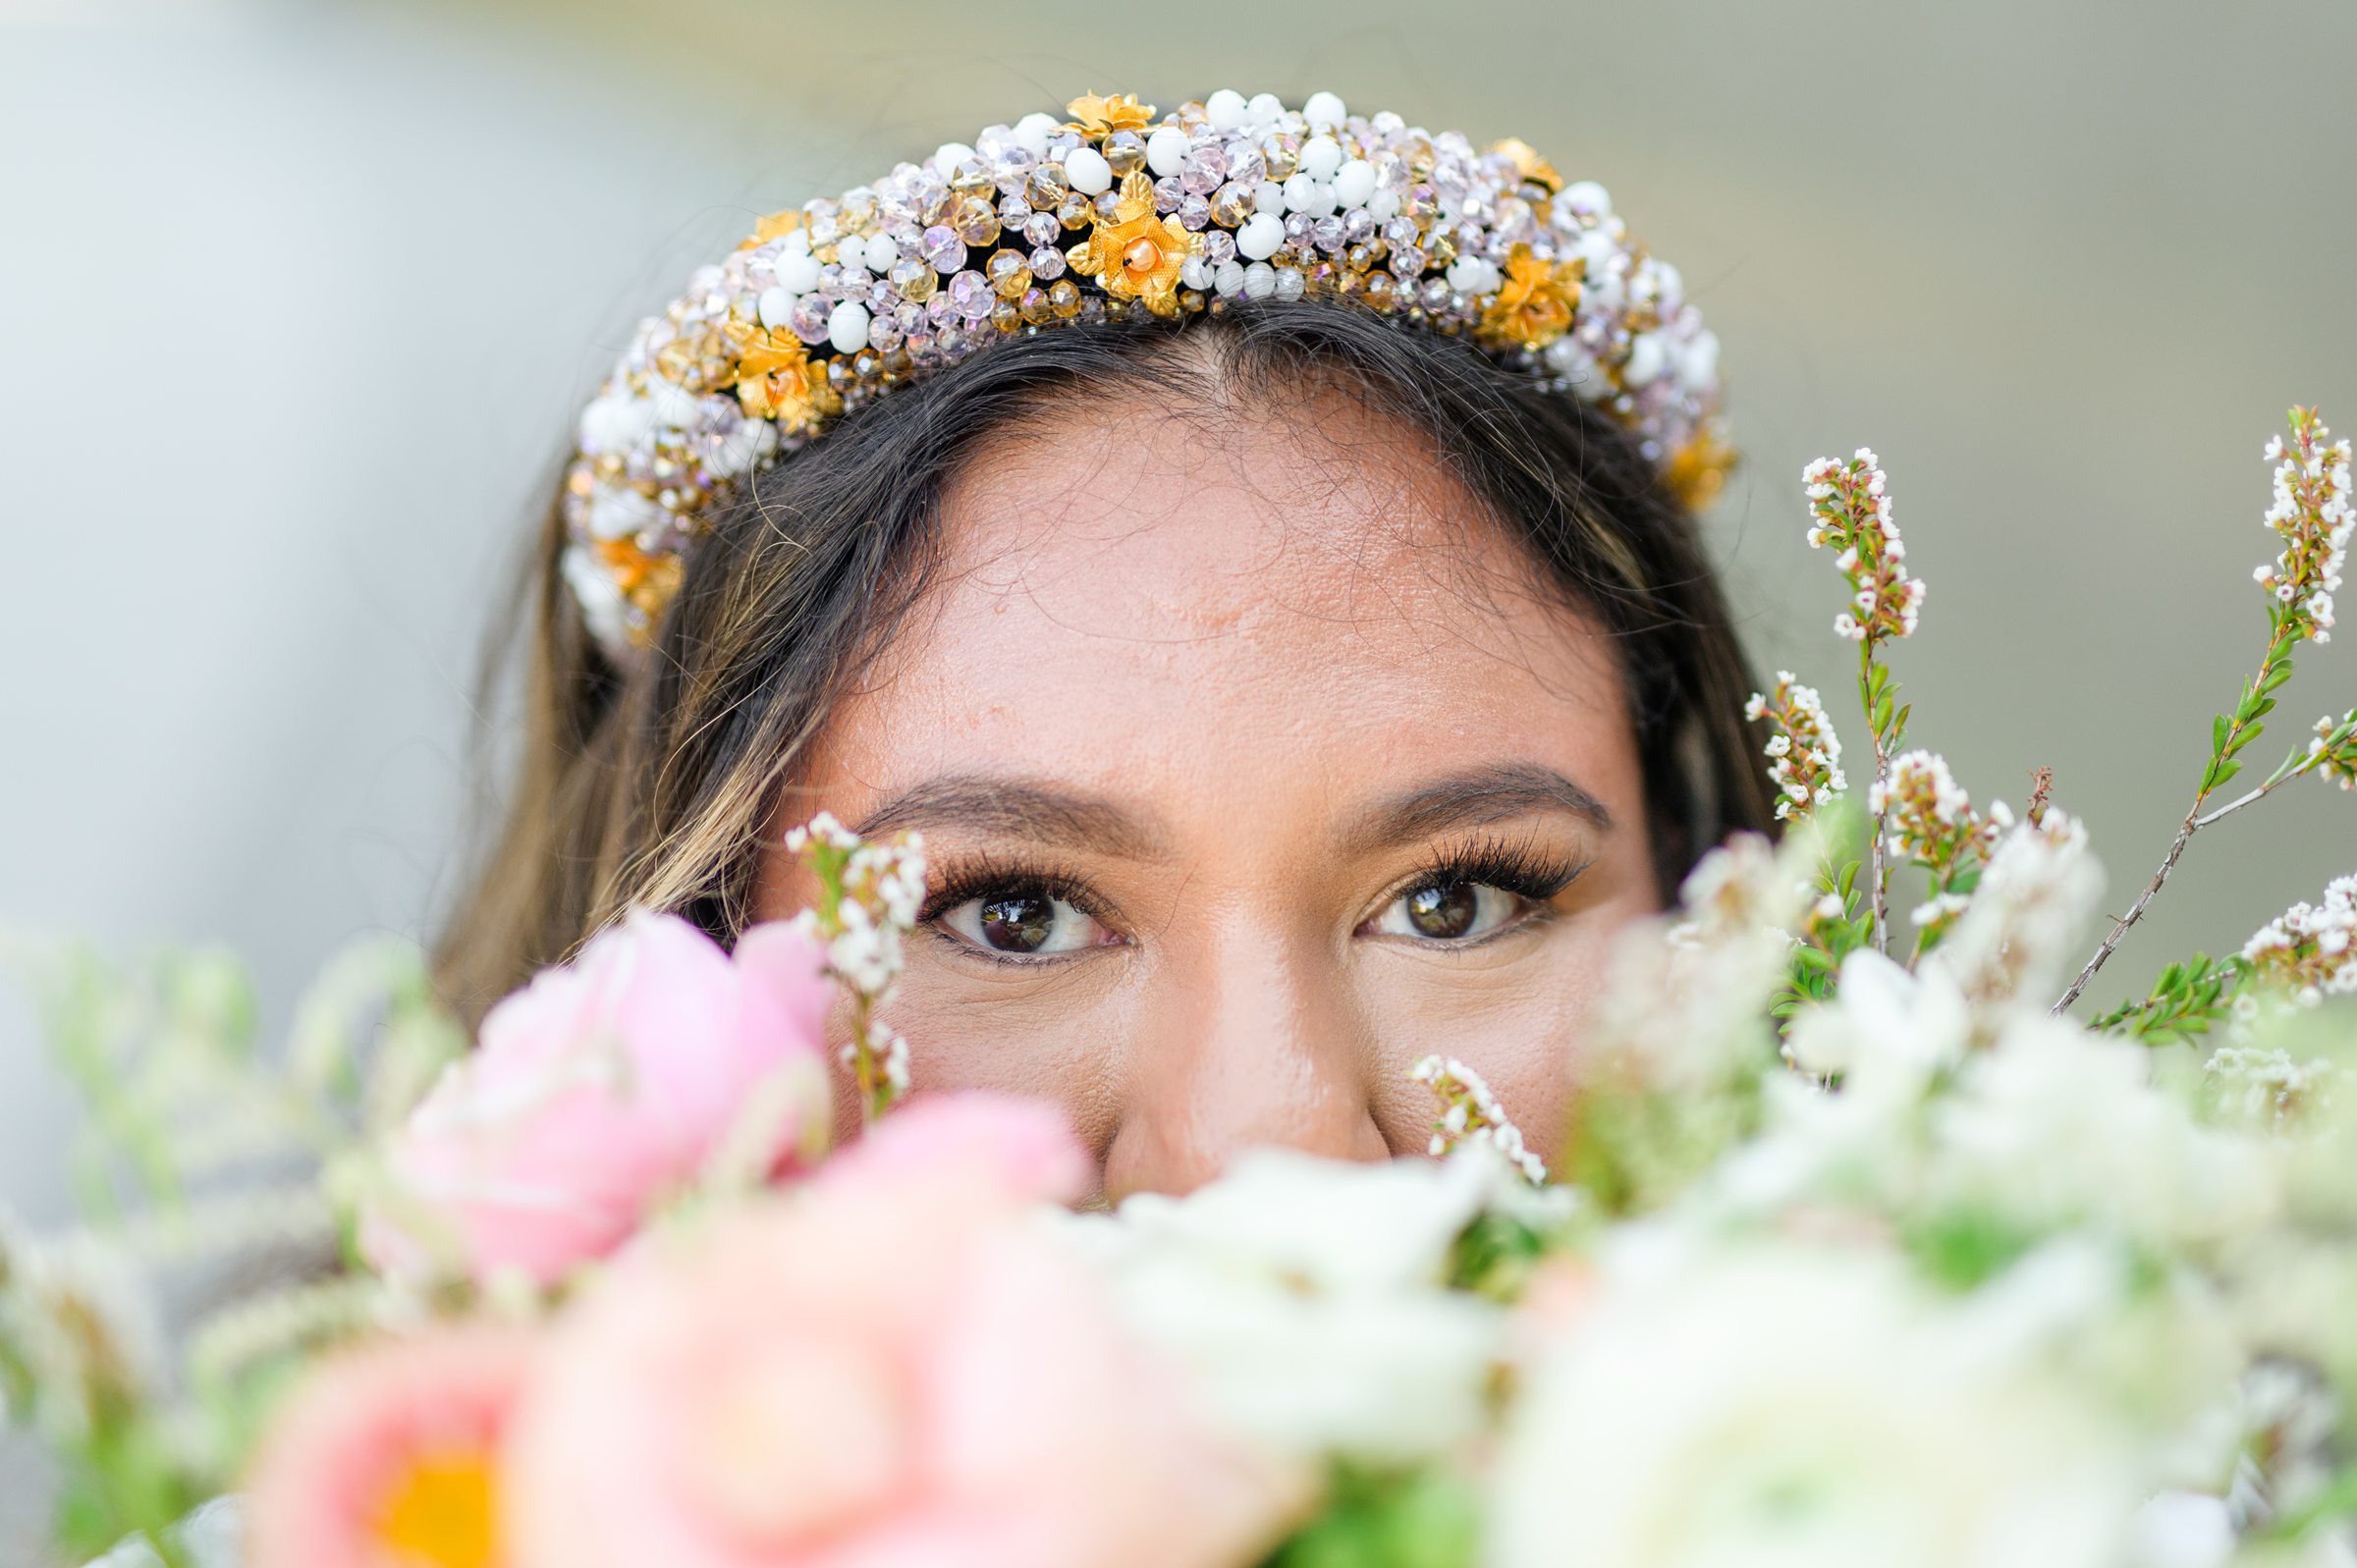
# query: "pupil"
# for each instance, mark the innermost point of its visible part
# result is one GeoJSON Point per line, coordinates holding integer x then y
{"type": "Point", "coordinates": [1019, 923]}
{"type": "Point", "coordinates": [1444, 909]}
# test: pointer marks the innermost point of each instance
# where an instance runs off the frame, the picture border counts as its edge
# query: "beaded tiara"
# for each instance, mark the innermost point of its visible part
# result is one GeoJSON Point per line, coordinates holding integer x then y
{"type": "Point", "coordinates": [1098, 215]}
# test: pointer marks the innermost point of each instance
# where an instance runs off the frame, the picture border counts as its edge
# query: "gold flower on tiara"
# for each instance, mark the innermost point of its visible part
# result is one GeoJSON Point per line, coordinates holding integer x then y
{"type": "Point", "coordinates": [775, 379]}
{"type": "Point", "coordinates": [1101, 117]}
{"type": "Point", "coordinates": [1137, 256]}
{"type": "Point", "coordinates": [1534, 305]}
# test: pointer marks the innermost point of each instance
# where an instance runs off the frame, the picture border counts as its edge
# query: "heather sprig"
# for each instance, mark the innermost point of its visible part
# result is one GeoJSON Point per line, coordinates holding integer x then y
{"type": "Point", "coordinates": [2311, 513]}
{"type": "Point", "coordinates": [1804, 754]}
{"type": "Point", "coordinates": [1472, 1114]}
{"type": "Point", "coordinates": [869, 895]}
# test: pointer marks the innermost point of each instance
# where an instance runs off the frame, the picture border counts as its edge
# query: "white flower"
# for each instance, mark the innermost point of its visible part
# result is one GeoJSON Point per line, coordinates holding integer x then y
{"type": "Point", "coordinates": [1789, 1405]}
{"type": "Point", "coordinates": [1886, 1031]}
{"type": "Point", "coordinates": [1304, 1296]}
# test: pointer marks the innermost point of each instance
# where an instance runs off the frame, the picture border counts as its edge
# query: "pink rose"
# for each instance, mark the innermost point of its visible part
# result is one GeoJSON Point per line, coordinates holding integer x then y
{"type": "Point", "coordinates": [598, 1090]}
{"type": "Point", "coordinates": [898, 1366]}
{"type": "Point", "coordinates": [1022, 1146]}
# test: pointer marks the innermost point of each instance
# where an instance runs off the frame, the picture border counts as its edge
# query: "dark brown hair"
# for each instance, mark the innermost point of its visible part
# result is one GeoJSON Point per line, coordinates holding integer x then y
{"type": "Point", "coordinates": [656, 784]}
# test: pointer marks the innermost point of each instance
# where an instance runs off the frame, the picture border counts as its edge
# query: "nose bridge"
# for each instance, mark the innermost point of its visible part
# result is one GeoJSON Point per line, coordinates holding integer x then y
{"type": "Point", "coordinates": [1252, 1044]}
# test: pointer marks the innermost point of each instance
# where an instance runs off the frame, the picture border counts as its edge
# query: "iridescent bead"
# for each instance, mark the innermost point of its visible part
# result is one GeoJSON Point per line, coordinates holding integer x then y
{"type": "Point", "coordinates": [1297, 229]}
{"type": "Point", "coordinates": [1434, 295]}
{"type": "Point", "coordinates": [976, 223]}
{"type": "Point", "coordinates": [1005, 316]}
{"type": "Point", "coordinates": [971, 293]}
{"type": "Point", "coordinates": [1064, 297]}
{"type": "Point", "coordinates": [809, 318]}
{"type": "Point", "coordinates": [1231, 205]}
{"type": "Point", "coordinates": [1042, 228]}
{"type": "Point", "coordinates": [1047, 263]}
{"type": "Point", "coordinates": [883, 336]}
{"type": "Point", "coordinates": [1283, 150]}
{"type": "Point", "coordinates": [1167, 193]}
{"type": "Point", "coordinates": [1126, 151]}
{"type": "Point", "coordinates": [1328, 234]}
{"type": "Point", "coordinates": [1013, 212]}
{"type": "Point", "coordinates": [1247, 166]}
{"type": "Point", "coordinates": [1010, 276]}
{"type": "Point", "coordinates": [1381, 292]}
{"type": "Point", "coordinates": [943, 249]}
{"type": "Point", "coordinates": [1204, 171]}
{"type": "Point", "coordinates": [1074, 211]}
{"type": "Point", "coordinates": [1194, 212]}
{"type": "Point", "coordinates": [1108, 207]}
{"type": "Point", "coordinates": [1407, 261]}
{"type": "Point", "coordinates": [942, 308]}
{"type": "Point", "coordinates": [1036, 309]}
{"type": "Point", "coordinates": [1358, 225]}
{"type": "Point", "coordinates": [913, 278]}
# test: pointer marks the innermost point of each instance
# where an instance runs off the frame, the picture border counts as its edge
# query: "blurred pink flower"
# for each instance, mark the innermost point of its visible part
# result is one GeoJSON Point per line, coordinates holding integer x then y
{"type": "Point", "coordinates": [1024, 1147]}
{"type": "Point", "coordinates": [896, 1366]}
{"type": "Point", "coordinates": [598, 1090]}
{"type": "Point", "coordinates": [389, 1455]}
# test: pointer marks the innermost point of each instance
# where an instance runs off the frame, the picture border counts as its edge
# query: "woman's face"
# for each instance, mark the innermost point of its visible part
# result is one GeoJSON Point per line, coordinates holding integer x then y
{"type": "Point", "coordinates": [1253, 767]}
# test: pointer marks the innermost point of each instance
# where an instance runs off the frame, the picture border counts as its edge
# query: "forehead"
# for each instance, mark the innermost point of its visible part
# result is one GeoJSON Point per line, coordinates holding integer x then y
{"type": "Point", "coordinates": [1120, 583]}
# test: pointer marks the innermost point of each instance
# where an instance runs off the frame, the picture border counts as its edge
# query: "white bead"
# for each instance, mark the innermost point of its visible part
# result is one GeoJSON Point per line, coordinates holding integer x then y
{"type": "Point", "coordinates": [774, 305]}
{"type": "Point", "coordinates": [798, 271]}
{"type": "Point", "coordinates": [1648, 358]}
{"type": "Point", "coordinates": [754, 442]}
{"type": "Point", "coordinates": [1382, 204]}
{"type": "Point", "coordinates": [1260, 237]}
{"type": "Point", "coordinates": [1268, 196]}
{"type": "Point", "coordinates": [1466, 274]}
{"type": "Point", "coordinates": [1669, 285]}
{"type": "Point", "coordinates": [1166, 150]}
{"type": "Point", "coordinates": [1264, 111]}
{"type": "Point", "coordinates": [1088, 172]}
{"type": "Point", "coordinates": [1354, 183]}
{"type": "Point", "coordinates": [851, 251]}
{"type": "Point", "coordinates": [1698, 363]}
{"type": "Point", "coordinates": [1195, 272]}
{"type": "Point", "coordinates": [1320, 157]}
{"type": "Point", "coordinates": [847, 327]}
{"type": "Point", "coordinates": [797, 242]}
{"type": "Point", "coordinates": [950, 154]}
{"type": "Point", "coordinates": [1301, 193]}
{"type": "Point", "coordinates": [1225, 109]}
{"type": "Point", "coordinates": [671, 404]}
{"type": "Point", "coordinates": [618, 513]}
{"type": "Point", "coordinates": [1324, 111]}
{"type": "Point", "coordinates": [1596, 248]}
{"type": "Point", "coordinates": [616, 422]}
{"type": "Point", "coordinates": [1260, 281]}
{"type": "Point", "coordinates": [1229, 278]}
{"type": "Point", "coordinates": [1290, 284]}
{"type": "Point", "coordinates": [1586, 196]}
{"type": "Point", "coordinates": [1032, 131]}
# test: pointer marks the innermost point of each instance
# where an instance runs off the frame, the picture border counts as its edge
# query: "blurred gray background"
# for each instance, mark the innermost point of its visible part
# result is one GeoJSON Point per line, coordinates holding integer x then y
{"type": "Point", "coordinates": [296, 303]}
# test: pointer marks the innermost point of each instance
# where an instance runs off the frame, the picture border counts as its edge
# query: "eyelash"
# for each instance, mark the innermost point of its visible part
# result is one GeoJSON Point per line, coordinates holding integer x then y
{"type": "Point", "coordinates": [1519, 866]}
{"type": "Point", "coordinates": [971, 879]}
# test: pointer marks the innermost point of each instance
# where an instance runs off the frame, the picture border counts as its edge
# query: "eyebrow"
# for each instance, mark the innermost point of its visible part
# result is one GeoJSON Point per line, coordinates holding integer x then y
{"type": "Point", "coordinates": [1019, 808]}
{"type": "Point", "coordinates": [1473, 798]}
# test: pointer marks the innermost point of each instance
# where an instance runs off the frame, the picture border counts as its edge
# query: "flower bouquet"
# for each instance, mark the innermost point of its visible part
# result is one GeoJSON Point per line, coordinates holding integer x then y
{"type": "Point", "coordinates": [1858, 1250]}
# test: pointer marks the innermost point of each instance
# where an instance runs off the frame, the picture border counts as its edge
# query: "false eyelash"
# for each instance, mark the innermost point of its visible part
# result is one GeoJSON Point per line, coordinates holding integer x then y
{"type": "Point", "coordinates": [1519, 866]}
{"type": "Point", "coordinates": [973, 876]}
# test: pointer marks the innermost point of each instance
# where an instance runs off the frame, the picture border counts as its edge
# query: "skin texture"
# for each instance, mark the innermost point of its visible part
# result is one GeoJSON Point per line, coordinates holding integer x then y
{"type": "Point", "coordinates": [1231, 682]}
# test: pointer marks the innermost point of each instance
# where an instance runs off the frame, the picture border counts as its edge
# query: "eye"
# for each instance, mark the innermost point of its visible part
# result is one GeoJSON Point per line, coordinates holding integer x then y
{"type": "Point", "coordinates": [1024, 922]}
{"type": "Point", "coordinates": [1451, 909]}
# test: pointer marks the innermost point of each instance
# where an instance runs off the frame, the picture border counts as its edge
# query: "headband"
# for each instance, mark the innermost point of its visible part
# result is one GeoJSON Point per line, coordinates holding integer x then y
{"type": "Point", "coordinates": [1100, 215]}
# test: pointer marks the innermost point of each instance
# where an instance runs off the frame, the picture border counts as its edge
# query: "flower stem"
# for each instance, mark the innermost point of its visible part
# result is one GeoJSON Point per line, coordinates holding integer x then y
{"type": "Point", "coordinates": [1877, 874]}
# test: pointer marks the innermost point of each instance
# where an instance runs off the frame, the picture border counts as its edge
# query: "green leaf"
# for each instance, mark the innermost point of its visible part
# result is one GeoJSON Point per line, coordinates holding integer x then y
{"type": "Point", "coordinates": [2217, 734]}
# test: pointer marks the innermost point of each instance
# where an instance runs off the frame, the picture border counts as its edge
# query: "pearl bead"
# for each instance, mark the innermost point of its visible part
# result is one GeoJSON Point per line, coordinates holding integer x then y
{"type": "Point", "coordinates": [1320, 157]}
{"type": "Point", "coordinates": [1354, 183]}
{"type": "Point", "coordinates": [798, 271]}
{"type": "Point", "coordinates": [1032, 131]}
{"type": "Point", "coordinates": [1166, 150]}
{"type": "Point", "coordinates": [775, 306]}
{"type": "Point", "coordinates": [1324, 111]}
{"type": "Point", "coordinates": [1265, 110]}
{"type": "Point", "coordinates": [1088, 172]}
{"type": "Point", "coordinates": [847, 327]}
{"type": "Point", "coordinates": [1648, 358]}
{"type": "Point", "coordinates": [1268, 196]}
{"type": "Point", "coordinates": [1225, 109]}
{"type": "Point", "coordinates": [1260, 281]}
{"type": "Point", "coordinates": [1586, 196]}
{"type": "Point", "coordinates": [1260, 237]}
